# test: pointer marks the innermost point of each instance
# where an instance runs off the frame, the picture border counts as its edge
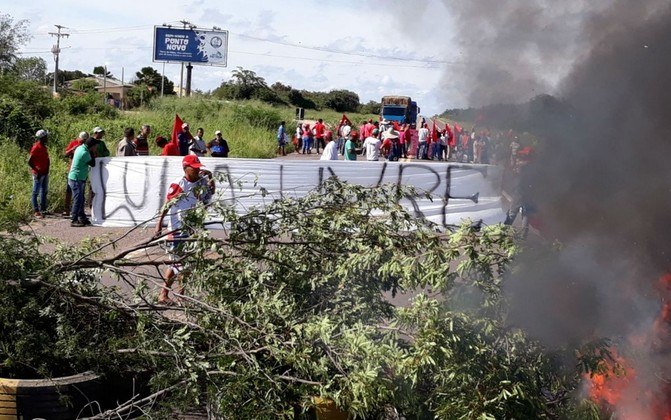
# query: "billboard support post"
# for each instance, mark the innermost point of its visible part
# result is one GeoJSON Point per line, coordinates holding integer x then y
{"type": "Point", "coordinates": [189, 68]}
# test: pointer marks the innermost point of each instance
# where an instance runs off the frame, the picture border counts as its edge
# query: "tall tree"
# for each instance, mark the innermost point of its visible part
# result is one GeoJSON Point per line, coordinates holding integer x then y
{"type": "Point", "coordinates": [148, 76]}
{"type": "Point", "coordinates": [101, 71]}
{"type": "Point", "coordinates": [12, 36]}
{"type": "Point", "coordinates": [31, 68]}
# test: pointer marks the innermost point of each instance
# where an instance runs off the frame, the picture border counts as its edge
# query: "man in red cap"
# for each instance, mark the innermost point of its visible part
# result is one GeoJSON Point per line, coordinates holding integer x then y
{"type": "Point", "coordinates": [196, 186]}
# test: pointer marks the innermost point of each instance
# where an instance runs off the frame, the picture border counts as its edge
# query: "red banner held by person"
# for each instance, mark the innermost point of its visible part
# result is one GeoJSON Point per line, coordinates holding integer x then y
{"type": "Point", "coordinates": [176, 129]}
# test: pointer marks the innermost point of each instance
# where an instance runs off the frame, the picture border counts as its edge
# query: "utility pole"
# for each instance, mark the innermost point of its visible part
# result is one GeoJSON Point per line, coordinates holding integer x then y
{"type": "Point", "coordinates": [56, 50]}
{"type": "Point", "coordinates": [181, 72]}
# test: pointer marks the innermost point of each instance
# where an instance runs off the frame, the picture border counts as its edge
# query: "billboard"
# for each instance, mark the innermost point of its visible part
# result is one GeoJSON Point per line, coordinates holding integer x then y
{"type": "Point", "coordinates": [195, 46]}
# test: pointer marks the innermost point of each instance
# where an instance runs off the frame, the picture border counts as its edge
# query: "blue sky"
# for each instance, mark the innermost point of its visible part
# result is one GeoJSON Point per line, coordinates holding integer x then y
{"type": "Point", "coordinates": [281, 41]}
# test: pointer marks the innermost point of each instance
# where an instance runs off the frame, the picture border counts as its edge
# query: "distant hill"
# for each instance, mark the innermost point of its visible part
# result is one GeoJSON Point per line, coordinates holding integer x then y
{"type": "Point", "coordinates": [540, 115]}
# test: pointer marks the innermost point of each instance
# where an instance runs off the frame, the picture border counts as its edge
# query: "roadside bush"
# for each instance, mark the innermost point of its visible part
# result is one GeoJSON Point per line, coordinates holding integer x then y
{"type": "Point", "coordinates": [16, 121]}
{"type": "Point", "coordinates": [35, 99]}
{"type": "Point", "coordinates": [254, 116]}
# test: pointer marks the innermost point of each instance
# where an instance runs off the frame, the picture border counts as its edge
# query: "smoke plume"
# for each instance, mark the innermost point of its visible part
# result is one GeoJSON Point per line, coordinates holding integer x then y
{"type": "Point", "coordinates": [602, 181]}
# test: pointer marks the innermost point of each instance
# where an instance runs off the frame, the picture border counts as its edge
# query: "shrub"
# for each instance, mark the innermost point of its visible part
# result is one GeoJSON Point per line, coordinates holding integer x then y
{"type": "Point", "coordinates": [16, 121]}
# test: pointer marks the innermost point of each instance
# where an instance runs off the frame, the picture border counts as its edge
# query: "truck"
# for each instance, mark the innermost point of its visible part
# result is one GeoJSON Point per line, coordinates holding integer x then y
{"type": "Point", "coordinates": [401, 109]}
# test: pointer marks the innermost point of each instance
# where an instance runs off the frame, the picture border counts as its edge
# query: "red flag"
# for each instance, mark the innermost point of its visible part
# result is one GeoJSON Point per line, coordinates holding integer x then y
{"type": "Point", "coordinates": [451, 141]}
{"type": "Point", "coordinates": [457, 128]}
{"type": "Point", "coordinates": [176, 128]}
{"type": "Point", "coordinates": [344, 120]}
{"type": "Point", "coordinates": [434, 132]}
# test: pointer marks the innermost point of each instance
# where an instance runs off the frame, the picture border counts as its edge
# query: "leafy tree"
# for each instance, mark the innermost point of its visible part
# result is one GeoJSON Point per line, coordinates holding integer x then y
{"type": "Point", "coordinates": [66, 75]}
{"type": "Point", "coordinates": [23, 107]}
{"type": "Point", "coordinates": [100, 70]}
{"type": "Point", "coordinates": [245, 84]}
{"type": "Point", "coordinates": [281, 88]}
{"type": "Point", "coordinates": [292, 302]}
{"type": "Point", "coordinates": [84, 85]}
{"type": "Point", "coordinates": [12, 36]}
{"type": "Point", "coordinates": [342, 101]}
{"type": "Point", "coordinates": [33, 69]}
{"type": "Point", "coordinates": [372, 107]}
{"type": "Point", "coordinates": [150, 77]}
{"type": "Point", "coordinates": [296, 98]}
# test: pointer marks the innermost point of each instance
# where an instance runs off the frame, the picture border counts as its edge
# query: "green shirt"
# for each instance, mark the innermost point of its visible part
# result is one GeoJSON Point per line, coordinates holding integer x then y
{"type": "Point", "coordinates": [350, 152]}
{"type": "Point", "coordinates": [102, 150]}
{"type": "Point", "coordinates": [80, 164]}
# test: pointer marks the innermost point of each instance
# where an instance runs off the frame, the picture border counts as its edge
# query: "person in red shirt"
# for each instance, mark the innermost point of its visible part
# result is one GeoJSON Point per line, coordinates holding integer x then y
{"type": "Point", "coordinates": [39, 164]}
{"type": "Point", "coordinates": [69, 153]}
{"type": "Point", "coordinates": [168, 148]}
{"type": "Point", "coordinates": [319, 134]}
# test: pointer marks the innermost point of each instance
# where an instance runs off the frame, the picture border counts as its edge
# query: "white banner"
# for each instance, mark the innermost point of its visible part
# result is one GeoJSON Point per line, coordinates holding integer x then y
{"type": "Point", "coordinates": [132, 190]}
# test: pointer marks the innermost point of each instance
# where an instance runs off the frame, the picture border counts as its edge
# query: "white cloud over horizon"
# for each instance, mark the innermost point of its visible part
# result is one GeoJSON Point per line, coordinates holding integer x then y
{"type": "Point", "coordinates": [304, 36]}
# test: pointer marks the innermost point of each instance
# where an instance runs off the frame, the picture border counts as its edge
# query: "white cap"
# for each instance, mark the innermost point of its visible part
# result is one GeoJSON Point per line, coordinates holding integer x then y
{"type": "Point", "coordinates": [185, 125]}
{"type": "Point", "coordinates": [84, 135]}
{"type": "Point", "coordinates": [41, 134]}
{"type": "Point", "coordinates": [217, 132]}
{"type": "Point", "coordinates": [98, 130]}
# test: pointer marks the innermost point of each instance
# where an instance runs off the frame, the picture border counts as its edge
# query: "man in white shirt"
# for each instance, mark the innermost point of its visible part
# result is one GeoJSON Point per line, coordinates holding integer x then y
{"type": "Point", "coordinates": [371, 146]}
{"type": "Point", "coordinates": [197, 145]}
{"type": "Point", "coordinates": [423, 138]}
{"type": "Point", "coordinates": [195, 186]}
{"type": "Point", "coordinates": [330, 150]}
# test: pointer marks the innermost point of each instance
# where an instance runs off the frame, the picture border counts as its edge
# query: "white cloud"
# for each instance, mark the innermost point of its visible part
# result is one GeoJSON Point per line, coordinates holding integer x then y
{"type": "Point", "coordinates": [120, 33]}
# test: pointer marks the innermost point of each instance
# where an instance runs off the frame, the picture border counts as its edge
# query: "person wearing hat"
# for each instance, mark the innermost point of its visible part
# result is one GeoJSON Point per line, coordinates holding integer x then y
{"type": "Point", "coordinates": [184, 139]}
{"type": "Point", "coordinates": [83, 158]}
{"type": "Point", "coordinates": [391, 147]}
{"type": "Point", "coordinates": [101, 149]}
{"type": "Point", "coordinates": [39, 165]}
{"type": "Point", "coordinates": [196, 186]}
{"type": "Point", "coordinates": [218, 146]}
{"type": "Point", "coordinates": [69, 154]}
{"type": "Point", "coordinates": [371, 146]}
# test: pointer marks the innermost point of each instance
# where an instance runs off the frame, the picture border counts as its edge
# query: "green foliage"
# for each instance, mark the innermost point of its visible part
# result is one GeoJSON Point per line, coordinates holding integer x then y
{"type": "Point", "coordinates": [12, 36]}
{"type": "Point", "coordinates": [25, 105]}
{"type": "Point", "coordinates": [372, 107]}
{"type": "Point", "coordinates": [251, 115]}
{"type": "Point", "coordinates": [102, 71]}
{"type": "Point", "coordinates": [342, 101]}
{"type": "Point", "coordinates": [16, 121]}
{"type": "Point", "coordinates": [149, 76]}
{"type": "Point", "coordinates": [86, 104]}
{"type": "Point", "coordinates": [49, 328]}
{"type": "Point", "coordinates": [33, 69]}
{"type": "Point", "coordinates": [293, 301]}
{"type": "Point", "coordinates": [84, 85]}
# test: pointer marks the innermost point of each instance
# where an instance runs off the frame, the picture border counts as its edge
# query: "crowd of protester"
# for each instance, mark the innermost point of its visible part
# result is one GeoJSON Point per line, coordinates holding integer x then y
{"type": "Point", "coordinates": [82, 151]}
{"type": "Point", "coordinates": [384, 140]}
{"type": "Point", "coordinates": [370, 141]}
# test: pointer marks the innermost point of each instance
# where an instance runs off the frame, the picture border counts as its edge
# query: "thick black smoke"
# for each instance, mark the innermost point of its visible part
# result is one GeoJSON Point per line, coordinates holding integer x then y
{"type": "Point", "coordinates": [603, 181]}
{"type": "Point", "coordinates": [602, 184]}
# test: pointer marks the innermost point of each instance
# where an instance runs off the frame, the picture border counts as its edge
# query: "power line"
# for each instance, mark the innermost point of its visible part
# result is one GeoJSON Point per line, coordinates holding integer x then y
{"type": "Point", "coordinates": [331, 50]}
{"type": "Point", "coordinates": [284, 43]}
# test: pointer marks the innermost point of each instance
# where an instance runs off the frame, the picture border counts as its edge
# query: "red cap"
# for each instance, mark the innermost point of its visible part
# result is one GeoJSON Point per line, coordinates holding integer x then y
{"type": "Point", "coordinates": [192, 161]}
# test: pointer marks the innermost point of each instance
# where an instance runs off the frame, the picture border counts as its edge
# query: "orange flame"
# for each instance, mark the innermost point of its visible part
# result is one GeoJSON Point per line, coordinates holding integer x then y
{"type": "Point", "coordinates": [619, 390]}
